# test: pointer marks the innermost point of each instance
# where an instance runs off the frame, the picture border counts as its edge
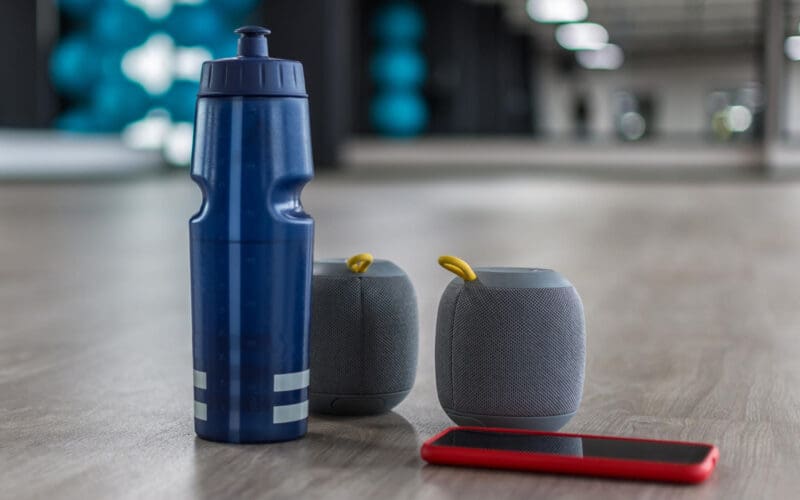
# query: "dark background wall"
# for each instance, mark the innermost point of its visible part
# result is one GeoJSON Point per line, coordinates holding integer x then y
{"type": "Point", "coordinates": [318, 33]}
{"type": "Point", "coordinates": [27, 31]}
{"type": "Point", "coordinates": [479, 73]}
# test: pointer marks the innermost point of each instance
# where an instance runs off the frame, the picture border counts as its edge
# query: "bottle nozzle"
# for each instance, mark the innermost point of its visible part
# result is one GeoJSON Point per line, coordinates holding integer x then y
{"type": "Point", "coordinates": [253, 41]}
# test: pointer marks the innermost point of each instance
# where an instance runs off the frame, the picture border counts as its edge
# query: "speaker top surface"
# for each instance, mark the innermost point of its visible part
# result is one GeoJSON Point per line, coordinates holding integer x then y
{"type": "Point", "coordinates": [379, 268]}
{"type": "Point", "coordinates": [519, 277]}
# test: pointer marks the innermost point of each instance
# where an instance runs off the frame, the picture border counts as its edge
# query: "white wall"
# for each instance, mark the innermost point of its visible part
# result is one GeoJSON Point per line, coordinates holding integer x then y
{"type": "Point", "coordinates": [791, 110]}
{"type": "Point", "coordinates": [679, 85]}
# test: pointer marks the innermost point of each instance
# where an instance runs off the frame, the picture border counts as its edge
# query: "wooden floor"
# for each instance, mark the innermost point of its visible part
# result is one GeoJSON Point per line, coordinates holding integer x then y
{"type": "Point", "coordinates": [692, 295]}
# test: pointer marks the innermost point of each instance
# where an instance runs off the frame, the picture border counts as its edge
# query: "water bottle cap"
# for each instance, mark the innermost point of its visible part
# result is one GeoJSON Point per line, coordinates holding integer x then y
{"type": "Point", "coordinates": [252, 72]}
{"type": "Point", "coordinates": [253, 41]}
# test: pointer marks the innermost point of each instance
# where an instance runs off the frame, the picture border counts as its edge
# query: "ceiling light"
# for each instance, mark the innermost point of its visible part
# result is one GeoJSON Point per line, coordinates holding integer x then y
{"type": "Point", "coordinates": [155, 9]}
{"type": "Point", "coordinates": [792, 47]}
{"type": "Point", "coordinates": [178, 144]}
{"type": "Point", "coordinates": [632, 126]}
{"type": "Point", "coordinates": [151, 63]}
{"type": "Point", "coordinates": [148, 133]}
{"type": "Point", "coordinates": [609, 56]}
{"type": "Point", "coordinates": [581, 36]}
{"type": "Point", "coordinates": [189, 62]}
{"type": "Point", "coordinates": [738, 118]}
{"type": "Point", "coordinates": [557, 11]}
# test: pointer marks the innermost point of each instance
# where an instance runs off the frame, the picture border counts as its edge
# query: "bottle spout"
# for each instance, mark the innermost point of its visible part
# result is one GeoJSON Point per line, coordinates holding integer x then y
{"type": "Point", "coordinates": [253, 41]}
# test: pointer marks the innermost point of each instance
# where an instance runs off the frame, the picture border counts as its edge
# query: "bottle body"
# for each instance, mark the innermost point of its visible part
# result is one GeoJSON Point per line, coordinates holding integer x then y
{"type": "Point", "coordinates": [251, 261]}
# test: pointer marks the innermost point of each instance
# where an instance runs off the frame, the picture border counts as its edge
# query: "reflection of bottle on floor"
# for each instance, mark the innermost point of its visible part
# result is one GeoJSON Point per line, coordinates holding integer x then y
{"type": "Point", "coordinates": [251, 247]}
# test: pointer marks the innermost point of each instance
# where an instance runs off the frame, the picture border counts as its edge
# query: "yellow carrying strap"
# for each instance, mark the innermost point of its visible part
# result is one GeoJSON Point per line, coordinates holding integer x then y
{"type": "Point", "coordinates": [458, 267]}
{"type": "Point", "coordinates": [359, 263]}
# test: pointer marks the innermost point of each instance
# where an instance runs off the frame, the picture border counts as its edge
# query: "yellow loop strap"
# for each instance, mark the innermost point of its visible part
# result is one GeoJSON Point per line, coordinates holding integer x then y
{"type": "Point", "coordinates": [458, 267]}
{"type": "Point", "coordinates": [359, 263]}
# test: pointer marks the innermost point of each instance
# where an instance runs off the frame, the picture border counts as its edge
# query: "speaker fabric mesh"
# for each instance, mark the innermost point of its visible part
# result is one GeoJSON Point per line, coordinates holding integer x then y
{"type": "Point", "coordinates": [516, 352]}
{"type": "Point", "coordinates": [336, 358]}
{"type": "Point", "coordinates": [444, 343]}
{"type": "Point", "coordinates": [390, 326]}
{"type": "Point", "coordinates": [363, 335]}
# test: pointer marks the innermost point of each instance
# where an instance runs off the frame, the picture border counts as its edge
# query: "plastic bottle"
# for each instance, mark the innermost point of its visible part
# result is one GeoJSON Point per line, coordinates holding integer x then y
{"type": "Point", "coordinates": [251, 247]}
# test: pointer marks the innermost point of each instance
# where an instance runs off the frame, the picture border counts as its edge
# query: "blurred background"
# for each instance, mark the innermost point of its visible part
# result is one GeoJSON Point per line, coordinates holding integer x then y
{"type": "Point", "coordinates": [109, 85]}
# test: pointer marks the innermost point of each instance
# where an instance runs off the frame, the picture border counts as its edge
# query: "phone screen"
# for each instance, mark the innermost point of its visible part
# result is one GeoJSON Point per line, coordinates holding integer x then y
{"type": "Point", "coordinates": [577, 446]}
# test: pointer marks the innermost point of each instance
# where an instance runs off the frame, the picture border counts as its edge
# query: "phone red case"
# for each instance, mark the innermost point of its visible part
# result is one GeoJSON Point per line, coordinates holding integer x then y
{"type": "Point", "coordinates": [561, 464]}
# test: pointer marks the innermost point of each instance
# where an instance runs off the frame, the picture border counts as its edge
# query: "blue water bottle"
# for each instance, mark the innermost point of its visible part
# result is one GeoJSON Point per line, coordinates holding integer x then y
{"type": "Point", "coordinates": [251, 247]}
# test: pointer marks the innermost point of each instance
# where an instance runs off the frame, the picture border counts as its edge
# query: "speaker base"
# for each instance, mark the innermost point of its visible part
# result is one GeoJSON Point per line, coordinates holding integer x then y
{"type": "Point", "coordinates": [551, 423]}
{"type": "Point", "coordinates": [354, 404]}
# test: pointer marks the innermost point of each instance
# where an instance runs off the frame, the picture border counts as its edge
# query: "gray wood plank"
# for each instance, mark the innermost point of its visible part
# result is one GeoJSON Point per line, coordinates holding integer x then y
{"type": "Point", "coordinates": [691, 294]}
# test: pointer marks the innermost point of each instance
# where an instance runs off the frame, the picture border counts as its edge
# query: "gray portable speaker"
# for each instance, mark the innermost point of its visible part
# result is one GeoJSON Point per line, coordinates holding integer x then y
{"type": "Point", "coordinates": [364, 337]}
{"type": "Point", "coordinates": [510, 349]}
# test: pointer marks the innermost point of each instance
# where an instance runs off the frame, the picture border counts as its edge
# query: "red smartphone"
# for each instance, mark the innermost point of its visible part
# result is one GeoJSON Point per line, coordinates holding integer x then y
{"type": "Point", "coordinates": [629, 458]}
